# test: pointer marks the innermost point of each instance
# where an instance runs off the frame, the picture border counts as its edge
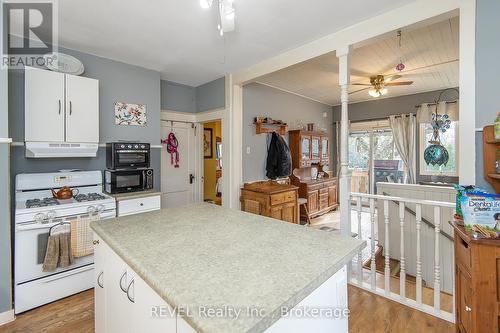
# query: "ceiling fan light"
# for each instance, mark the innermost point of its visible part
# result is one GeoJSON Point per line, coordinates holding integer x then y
{"type": "Point", "coordinates": [205, 4]}
{"type": "Point", "coordinates": [373, 92]}
{"type": "Point", "coordinates": [383, 91]}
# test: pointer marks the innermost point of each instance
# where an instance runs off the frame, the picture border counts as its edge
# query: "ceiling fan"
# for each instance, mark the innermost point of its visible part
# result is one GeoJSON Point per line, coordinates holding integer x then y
{"type": "Point", "coordinates": [379, 83]}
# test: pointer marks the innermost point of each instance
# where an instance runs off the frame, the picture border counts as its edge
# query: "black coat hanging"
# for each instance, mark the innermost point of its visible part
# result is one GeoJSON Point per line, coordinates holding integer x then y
{"type": "Point", "coordinates": [279, 160]}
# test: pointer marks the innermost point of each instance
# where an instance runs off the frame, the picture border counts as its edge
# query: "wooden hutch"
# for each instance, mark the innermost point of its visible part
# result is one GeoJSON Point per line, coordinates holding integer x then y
{"type": "Point", "coordinates": [310, 152]}
{"type": "Point", "coordinates": [477, 282]}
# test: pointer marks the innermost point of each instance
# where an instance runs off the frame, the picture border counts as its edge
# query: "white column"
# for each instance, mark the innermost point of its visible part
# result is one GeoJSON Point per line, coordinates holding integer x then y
{"type": "Point", "coordinates": [345, 186]}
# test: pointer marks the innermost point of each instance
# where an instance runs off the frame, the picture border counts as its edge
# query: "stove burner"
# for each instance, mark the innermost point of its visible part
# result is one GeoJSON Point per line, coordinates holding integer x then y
{"type": "Point", "coordinates": [89, 197]}
{"type": "Point", "coordinates": [32, 203]}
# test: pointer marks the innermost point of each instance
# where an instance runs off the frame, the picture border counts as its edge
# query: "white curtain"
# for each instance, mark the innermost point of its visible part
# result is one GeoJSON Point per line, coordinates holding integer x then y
{"type": "Point", "coordinates": [404, 133]}
{"type": "Point", "coordinates": [425, 111]}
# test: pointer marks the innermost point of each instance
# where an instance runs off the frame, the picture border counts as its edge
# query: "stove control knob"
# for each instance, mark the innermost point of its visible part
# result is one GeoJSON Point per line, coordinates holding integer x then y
{"type": "Point", "coordinates": [39, 217]}
{"type": "Point", "coordinates": [143, 146]}
{"type": "Point", "coordinates": [122, 146]}
{"type": "Point", "coordinates": [91, 210]}
{"type": "Point", "coordinates": [50, 215]}
{"type": "Point", "coordinates": [100, 208]}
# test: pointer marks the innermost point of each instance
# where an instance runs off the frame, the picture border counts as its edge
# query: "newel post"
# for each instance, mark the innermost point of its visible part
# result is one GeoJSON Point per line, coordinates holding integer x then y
{"type": "Point", "coordinates": [344, 183]}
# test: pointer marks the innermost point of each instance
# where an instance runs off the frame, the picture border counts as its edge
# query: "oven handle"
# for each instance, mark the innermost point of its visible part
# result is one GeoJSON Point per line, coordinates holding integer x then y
{"type": "Point", "coordinates": [35, 226]}
{"type": "Point", "coordinates": [72, 272]}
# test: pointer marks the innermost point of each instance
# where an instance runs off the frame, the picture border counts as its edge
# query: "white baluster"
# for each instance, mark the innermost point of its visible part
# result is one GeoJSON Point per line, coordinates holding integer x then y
{"type": "Point", "coordinates": [402, 272]}
{"type": "Point", "coordinates": [418, 217]}
{"type": "Point", "coordinates": [437, 273]}
{"type": "Point", "coordinates": [373, 273]}
{"type": "Point", "coordinates": [387, 271]}
{"type": "Point", "coordinates": [360, 256]}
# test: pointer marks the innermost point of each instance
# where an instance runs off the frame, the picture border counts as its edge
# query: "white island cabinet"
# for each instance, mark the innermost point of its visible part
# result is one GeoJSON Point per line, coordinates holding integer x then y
{"type": "Point", "coordinates": [126, 303]}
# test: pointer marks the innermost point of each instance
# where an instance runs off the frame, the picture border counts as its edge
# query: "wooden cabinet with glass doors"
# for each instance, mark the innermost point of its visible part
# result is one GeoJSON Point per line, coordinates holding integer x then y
{"type": "Point", "coordinates": [308, 148]}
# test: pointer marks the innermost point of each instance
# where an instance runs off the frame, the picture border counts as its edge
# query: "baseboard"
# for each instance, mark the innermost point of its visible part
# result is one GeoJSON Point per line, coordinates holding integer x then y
{"type": "Point", "coordinates": [7, 317]}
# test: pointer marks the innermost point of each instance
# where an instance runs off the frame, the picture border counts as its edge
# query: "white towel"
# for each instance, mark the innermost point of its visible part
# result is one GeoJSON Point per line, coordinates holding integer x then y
{"type": "Point", "coordinates": [82, 236]}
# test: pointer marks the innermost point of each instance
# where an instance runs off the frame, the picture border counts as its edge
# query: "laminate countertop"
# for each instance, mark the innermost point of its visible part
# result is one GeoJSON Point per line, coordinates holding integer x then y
{"type": "Point", "coordinates": [205, 255]}
{"type": "Point", "coordinates": [134, 195]}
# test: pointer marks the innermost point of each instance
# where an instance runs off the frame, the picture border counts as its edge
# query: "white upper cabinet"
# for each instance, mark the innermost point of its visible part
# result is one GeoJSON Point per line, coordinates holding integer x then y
{"type": "Point", "coordinates": [82, 109]}
{"type": "Point", "coordinates": [60, 107]}
{"type": "Point", "coordinates": [44, 105]}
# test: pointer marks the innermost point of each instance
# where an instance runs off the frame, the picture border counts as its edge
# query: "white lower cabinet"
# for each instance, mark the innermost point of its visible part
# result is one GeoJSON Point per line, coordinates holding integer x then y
{"type": "Point", "coordinates": [139, 205]}
{"type": "Point", "coordinates": [124, 303]}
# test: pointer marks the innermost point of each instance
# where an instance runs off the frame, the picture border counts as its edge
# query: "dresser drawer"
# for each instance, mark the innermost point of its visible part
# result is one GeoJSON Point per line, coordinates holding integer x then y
{"type": "Point", "coordinates": [323, 191]}
{"type": "Point", "coordinates": [462, 252]}
{"type": "Point", "coordinates": [140, 205]}
{"type": "Point", "coordinates": [277, 199]}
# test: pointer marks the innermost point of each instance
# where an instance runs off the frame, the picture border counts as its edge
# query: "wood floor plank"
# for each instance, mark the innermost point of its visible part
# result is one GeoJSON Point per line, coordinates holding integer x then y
{"type": "Point", "coordinates": [368, 313]}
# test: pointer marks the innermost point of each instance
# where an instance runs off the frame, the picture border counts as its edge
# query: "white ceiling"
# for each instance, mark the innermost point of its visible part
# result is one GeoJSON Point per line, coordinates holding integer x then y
{"type": "Point", "coordinates": [180, 40]}
{"type": "Point", "coordinates": [430, 54]}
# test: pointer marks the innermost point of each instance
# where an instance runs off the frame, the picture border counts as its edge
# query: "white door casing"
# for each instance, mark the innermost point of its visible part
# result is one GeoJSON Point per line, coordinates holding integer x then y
{"type": "Point", "coordinates": [82, 109]}
{"type": "Point", "coordinates": [175, 182]}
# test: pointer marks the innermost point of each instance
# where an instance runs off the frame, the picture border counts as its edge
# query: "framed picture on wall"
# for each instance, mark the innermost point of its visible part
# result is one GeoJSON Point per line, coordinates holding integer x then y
{"type": "Point", "coordinates": [208, 143]}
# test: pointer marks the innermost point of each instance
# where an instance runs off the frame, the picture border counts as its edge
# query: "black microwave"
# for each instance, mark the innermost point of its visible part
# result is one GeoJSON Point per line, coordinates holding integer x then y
{"type": "Point", "coordinates": [127, 155]}
{"type": "Point", "coordinates": [122, 181]}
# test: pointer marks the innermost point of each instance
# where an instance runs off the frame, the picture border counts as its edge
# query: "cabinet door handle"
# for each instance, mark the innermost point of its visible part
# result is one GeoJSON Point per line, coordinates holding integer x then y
{"type": "Point", "coordinates": [59, 106]}
{"type": "Point", "coordinates": [131, 284]}
{"type": "Point", "coordinates": [121, 282]}
{"type": "Point", "coordinates": [95, 242]}
{"type": "Point", "coordinates": [99, 282]}
{"type": "Point", "coordinates": [70, 108]}
{"type": "Point", "coordinates": [468, 309]}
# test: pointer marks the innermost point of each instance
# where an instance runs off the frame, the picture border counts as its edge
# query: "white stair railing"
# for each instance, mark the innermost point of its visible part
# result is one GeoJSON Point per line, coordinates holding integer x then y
{"type": "Point", "coordinates": [370, 283]}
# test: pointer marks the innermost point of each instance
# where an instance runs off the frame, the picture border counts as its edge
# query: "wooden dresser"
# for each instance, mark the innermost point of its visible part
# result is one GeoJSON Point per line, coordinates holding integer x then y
{"type": "Point", "coordinates": [477, 282]}
{"type": "Point", "coordinates": [321, 194]}
{"type": "Point", "coordinates": [271, 199]}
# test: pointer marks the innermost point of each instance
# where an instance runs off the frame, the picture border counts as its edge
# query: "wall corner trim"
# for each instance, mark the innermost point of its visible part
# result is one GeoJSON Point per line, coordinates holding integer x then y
{"type": "Point", "coordinates": [7, 317]}
{"type": "Point", "coordinates": [5, 140]}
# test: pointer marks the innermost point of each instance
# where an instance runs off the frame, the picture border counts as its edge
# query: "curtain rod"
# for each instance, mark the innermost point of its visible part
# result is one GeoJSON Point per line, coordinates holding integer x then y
{"type": "Point", "coordinates": [178, 121]}
{"type": "Point", "coordinates": [447, 102]}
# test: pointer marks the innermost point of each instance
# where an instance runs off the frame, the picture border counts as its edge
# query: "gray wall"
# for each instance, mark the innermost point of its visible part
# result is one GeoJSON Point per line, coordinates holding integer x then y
{"type": "Point", "coordinates": [383, 108]}
{"type": "Point", "coordinates": [177, 97]}
{"type": "Point", "coordinates": [211, 95]}
{"type": "Point", "coordinates": [183, 98]}
{"type": "Point", "coordinates": [260, 100]}
{"type": "Point", "coordinates": [487, 70]}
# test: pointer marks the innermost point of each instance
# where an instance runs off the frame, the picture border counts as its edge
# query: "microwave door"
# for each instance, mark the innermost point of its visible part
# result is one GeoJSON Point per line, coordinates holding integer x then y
{"type": "Point", "coordinates": [128, 181]}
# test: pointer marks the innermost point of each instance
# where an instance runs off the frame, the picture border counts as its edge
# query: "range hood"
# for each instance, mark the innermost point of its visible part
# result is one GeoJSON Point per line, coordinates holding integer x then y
{"type": "Point", "coordinates": [60, 149]}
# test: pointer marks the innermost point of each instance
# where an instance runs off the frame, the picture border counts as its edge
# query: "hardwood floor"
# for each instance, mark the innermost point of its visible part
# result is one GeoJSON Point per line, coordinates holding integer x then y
{"type": "Point", "coordinates": [368, 313]}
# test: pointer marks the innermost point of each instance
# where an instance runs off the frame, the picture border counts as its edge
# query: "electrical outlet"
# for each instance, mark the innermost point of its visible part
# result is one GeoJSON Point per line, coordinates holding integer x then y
{"type": "Point", "coordinates": [248, 150]}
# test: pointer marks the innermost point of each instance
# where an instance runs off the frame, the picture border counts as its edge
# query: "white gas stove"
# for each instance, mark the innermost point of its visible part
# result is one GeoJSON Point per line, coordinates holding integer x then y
{"type": "Point", "coordinates": [35, 213]}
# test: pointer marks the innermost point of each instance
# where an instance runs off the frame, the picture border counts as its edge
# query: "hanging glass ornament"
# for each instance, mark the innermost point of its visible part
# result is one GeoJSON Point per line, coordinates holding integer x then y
{"type": "Point", "coordinates": [436, 153]}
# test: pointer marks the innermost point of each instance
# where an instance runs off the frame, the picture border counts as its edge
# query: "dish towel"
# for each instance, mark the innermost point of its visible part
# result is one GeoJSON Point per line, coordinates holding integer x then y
{"type": "Point", "coordinates": [58, 252]}
{"type": "Point", "coordinates": [82, 236]}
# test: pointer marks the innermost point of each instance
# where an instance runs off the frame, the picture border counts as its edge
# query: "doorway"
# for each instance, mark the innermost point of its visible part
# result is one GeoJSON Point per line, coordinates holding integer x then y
{"type": "Point", "coordinates": [373, 156]}
{"type": "Point", "coordinates": [212, 162]}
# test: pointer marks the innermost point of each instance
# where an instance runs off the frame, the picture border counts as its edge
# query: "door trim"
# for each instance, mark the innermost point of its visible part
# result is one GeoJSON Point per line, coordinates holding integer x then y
{"type": "Point", "coordinates": [198, 119]}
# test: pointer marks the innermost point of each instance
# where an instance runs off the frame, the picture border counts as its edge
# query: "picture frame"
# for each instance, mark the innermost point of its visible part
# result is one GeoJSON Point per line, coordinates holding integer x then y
{"type": "Point", "coordinates": [208, 143]}
{"type": "Point", "coordinates": [129, 114]}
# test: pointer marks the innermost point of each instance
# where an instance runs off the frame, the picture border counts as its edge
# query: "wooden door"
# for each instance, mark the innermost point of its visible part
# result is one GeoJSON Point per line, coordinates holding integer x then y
{"type": "Point", "coordinates": [82, 109]}
{"type": "Point", "coordinates": [44, 105]}
{"type": "Point", "coordinates": [176, 185]}
{"type": "Point", "coordinates": [315, 149]}
{"type": "Point", "coordinates": [313, 201]}
{"type": "Point", "coordinates": [332, 195]}
{"type": "Point", "coordinates": [464, 298]}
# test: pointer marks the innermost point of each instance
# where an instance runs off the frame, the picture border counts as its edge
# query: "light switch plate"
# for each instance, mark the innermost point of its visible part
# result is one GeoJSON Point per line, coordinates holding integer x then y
{"type": "Point", "coordinates": [248, 150]}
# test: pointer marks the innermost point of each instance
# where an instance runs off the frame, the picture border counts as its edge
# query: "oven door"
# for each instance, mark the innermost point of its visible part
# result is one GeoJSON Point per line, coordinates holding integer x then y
{"type": "Point", "coordinates": [131, 158]}
{"type": "Point", "coordinates": [125, 181]}
{"type": "Point", "coordinates": [30, 247]}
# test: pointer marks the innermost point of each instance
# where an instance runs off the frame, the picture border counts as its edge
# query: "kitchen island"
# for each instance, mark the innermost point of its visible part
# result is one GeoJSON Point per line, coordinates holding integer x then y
{"type": "Point", "coordinates": [204, 268]}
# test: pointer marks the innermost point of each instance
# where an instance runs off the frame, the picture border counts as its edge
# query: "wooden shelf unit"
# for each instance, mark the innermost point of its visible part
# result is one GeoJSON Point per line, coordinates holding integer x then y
{"type": "Point", "coordinates": [261, 127]}
{"type": "Point", "coordinates": [490, 147]}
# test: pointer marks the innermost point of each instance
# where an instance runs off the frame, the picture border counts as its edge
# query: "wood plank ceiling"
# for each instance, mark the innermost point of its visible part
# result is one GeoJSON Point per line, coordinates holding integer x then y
{"type": "Point", "coordinates": [430, 54]}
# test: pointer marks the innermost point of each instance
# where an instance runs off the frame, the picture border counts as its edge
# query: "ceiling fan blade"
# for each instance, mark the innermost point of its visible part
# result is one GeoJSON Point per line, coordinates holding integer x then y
{"type": "Point", "coordinates": [361, 84]}
{"type": "Point", "coordinates": [392, 78]}
{"type": "Point", "coordinates": [402, 83]}
{"type": "Point", "coordinates": [356, 91]}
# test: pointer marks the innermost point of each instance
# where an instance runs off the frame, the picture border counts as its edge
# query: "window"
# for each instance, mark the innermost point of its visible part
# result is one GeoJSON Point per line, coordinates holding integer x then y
{"type": "Point", "coordinates": [449, 140]}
